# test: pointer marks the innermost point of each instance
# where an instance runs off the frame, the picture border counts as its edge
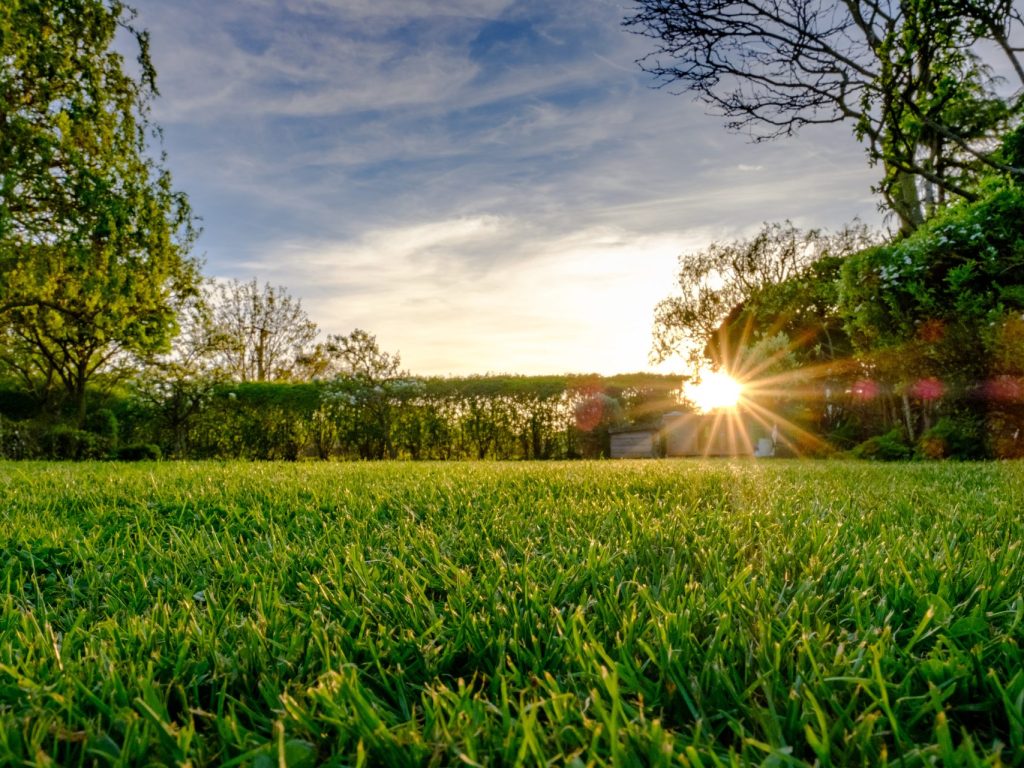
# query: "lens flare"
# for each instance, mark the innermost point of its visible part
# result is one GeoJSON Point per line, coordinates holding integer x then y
{"type": "Point", "coordinates": [716, 390]}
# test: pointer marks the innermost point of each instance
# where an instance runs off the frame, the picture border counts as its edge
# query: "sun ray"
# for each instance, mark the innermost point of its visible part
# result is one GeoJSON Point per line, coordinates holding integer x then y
{"type": "Point", "coordinates": [715, 390]}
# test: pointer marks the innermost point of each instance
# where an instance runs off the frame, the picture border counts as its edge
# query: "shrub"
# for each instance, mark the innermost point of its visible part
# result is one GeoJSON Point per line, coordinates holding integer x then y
{"type": "Point", "coordinates": [17, 439]}
{"type": "Point", "coordinates": [888, 447]}
{"type": "Point", "coordinates": [69, 444]}
{"type": "Point", "coordinates": [17, 404]}
{"type": "Point", "coordinates": [844, 436]}
{"type": "Point", "coordinates": [103, 422]}
{"type": "Point", "coordinates": [959, 437]}
{"type": "Point", "coordinates": [139, 452]}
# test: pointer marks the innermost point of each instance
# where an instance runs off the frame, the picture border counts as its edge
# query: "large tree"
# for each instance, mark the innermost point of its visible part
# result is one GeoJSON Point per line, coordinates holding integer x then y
{"type": "Point", "coordinates": [914, 78]}
{"type": "Point", "coordinates": [94, 240]}
{"type": "Point", "coordinates": [931, 315]}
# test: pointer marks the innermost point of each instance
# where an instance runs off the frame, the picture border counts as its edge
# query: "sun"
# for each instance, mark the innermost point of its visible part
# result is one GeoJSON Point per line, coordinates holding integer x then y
{"type": "Point", "coordinates": [715, 390]}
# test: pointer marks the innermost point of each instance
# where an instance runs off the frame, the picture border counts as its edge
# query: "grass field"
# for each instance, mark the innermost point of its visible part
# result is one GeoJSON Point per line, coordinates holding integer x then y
{"type": "Point", "coordinates": [647, 613]}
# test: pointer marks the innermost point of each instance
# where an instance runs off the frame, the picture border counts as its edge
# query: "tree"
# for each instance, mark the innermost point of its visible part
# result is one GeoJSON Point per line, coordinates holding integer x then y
{"type": "Point", "coordinates": [94, 240]}
{"type": "Point", "coordinates": [715, 284]}
{"type": "Point", "coordinates": [175, 387]}
{"type": "Point", "coordinates": [931, 314]}
{"type": "Point", "coordinates": [908, 75]}
{"type": "Point", "coordinates": [267, 330]}
{"type": "Point", "coordinates": [803, 308]}
{"type": "Point", "coordinates": [363, 397]}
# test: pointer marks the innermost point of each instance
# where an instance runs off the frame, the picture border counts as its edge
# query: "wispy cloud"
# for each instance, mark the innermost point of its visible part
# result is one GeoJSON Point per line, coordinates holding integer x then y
{"type": "Point", "coordinates": [439, 293]}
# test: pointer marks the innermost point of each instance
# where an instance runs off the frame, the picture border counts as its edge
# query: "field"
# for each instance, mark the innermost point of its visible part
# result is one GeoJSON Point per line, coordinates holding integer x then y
{"type": "Point", "coordinates": [646, 613]}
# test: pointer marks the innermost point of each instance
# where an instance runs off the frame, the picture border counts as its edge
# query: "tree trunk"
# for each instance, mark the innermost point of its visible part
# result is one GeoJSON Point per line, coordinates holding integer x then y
{"type": "Point", "coordinates": [79, 394]}
{"type": "Point", "coordinates": [908, 417]}
{"type": "Point", "coordinates": [261, 351]}
{"type": "Point", "coordinates": [905, 201]}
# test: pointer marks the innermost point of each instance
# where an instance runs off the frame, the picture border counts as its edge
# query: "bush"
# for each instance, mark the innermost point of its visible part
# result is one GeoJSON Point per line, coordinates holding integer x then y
{"type": "Point", "coordinates": [844, 436]}
{"type": "Point", "coordinates": [139, 452]}
{"type": "Point", "coordinates": [16, 404]}
{"type": "Point", "coordinates": [17, 439]}
{"type": "Point", "coordinates": [888, 447]}
{"type": "Point", "coordinates": [103, 422]}
{"type": "Point", "coordinates": [952, 438]}
{"type": "Point", "coordinates": [66, 443]}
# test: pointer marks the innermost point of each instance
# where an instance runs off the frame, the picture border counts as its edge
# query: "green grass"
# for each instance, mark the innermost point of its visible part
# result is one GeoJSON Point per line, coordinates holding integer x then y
{"type": "Point", "coordinates": [647, 613]}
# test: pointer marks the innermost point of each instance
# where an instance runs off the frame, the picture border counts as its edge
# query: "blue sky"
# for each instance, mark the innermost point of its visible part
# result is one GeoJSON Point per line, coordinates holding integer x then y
{"type": "Point", "coordinates": [486, 185]}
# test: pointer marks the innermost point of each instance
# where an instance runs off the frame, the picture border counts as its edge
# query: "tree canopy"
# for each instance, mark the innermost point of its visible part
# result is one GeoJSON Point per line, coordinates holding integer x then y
{"type": "Point", "coordinates": [721, 283]}
{"type": "Point", "coordinates": [94, 239]}
{"type": "Point", "coordinates": [265, 330]}
{"type": "Point", "coordinates": [916, 79]}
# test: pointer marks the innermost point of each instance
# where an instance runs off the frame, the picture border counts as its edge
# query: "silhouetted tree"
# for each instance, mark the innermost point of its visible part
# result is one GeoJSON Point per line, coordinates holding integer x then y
{"type": "Point", "coordinates": [715, 284]}
{"type": "Point", "coordinates": [908, 75]}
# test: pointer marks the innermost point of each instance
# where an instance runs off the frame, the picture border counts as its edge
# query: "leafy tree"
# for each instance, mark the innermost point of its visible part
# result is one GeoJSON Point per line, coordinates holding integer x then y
{"type": "Point", "coordinates": [175, 387]}
{"type": "Point", "coordinates": [364, 397]}
{"type": "Point", "coordinates": [267, 330]}
{"type": "Point", "coordinates": [94, 240]}
{"type": "Point", "coordinates": [907, 75]}
{"type": "Point", "coordinates": [803, 308]}
{"type": "Point", "coordinates": [928, 313]}
{"type": "Point", "coordinates": [714, 285]}
{"type": "Point", "coordinates": [359, 356]}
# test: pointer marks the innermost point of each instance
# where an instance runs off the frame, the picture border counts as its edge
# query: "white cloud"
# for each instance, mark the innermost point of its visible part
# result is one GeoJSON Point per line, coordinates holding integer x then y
{"type": "Point", "coordinates": [579, 300]}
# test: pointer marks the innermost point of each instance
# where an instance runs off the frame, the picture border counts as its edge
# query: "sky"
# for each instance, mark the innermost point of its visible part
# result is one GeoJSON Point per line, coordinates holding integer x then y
{"type": "Point", "coordinates": [488, 186]}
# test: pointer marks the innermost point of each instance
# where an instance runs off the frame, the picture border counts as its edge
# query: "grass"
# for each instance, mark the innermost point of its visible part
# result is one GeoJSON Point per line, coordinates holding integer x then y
{"type": "Point", "coordinates": [647, 613]}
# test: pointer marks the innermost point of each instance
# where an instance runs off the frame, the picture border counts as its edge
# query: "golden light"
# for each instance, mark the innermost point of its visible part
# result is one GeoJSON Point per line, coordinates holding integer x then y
{"type": "Point", "coordinates": [716, 390]}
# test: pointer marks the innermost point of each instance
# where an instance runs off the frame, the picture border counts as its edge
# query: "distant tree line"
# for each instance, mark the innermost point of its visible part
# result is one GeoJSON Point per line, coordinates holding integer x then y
{"type": "Point", "coordinates": [356, 415]}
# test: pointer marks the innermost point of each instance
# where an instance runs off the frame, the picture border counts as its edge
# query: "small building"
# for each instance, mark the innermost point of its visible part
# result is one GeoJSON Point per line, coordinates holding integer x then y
{"type": "Point", "coordinates": [683, 434]}
{"type": "Point", "coordinates": [709, 434]}
{"type": "Point", "coordinates": [692, 434]}
{"type": "Point", "coordinates": [637, 441]}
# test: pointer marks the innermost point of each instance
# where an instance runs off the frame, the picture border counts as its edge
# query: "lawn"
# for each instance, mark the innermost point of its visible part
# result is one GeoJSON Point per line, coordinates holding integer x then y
{"type": "Point", "coordinates": [648, 613]}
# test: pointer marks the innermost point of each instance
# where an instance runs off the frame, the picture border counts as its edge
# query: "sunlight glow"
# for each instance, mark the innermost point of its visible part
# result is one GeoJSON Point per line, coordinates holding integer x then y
{"type": "Point", "coordinates": [715, 390]}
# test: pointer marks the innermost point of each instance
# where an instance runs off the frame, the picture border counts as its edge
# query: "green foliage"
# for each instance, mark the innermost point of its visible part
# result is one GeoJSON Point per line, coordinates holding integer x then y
{"type": "Point", "coordinates": [94, 240]}
{"type": "Point", "coordinates": [953, 437]}
{"type": "Point", "coordinates": [933, 316]}
{"type": "Point", "coordinates": [103, 422]}
{"type": "Point", "coordinates": [892, 446]}
{"type": "Point", "coordinates": [672, 613]}
{"type": "Point", "coordinates": [16, 403]}
{"type": "Point", "coordinates": [804, 307]}
{"type": "Point", "coordinates": [18, 440]}
{"type": "Point", "coordinates": [773, 272]}
{"type": "Point", "coordinates": [476, 417]}
{"type": "Point", "coordinates": [65, 443]}
{"type": "Point", "coordinates": [1011, 153]}
{"type": "Point", "coordinates": [964, 269]}
{"type": "Point", "coordinates": [595, 415]}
